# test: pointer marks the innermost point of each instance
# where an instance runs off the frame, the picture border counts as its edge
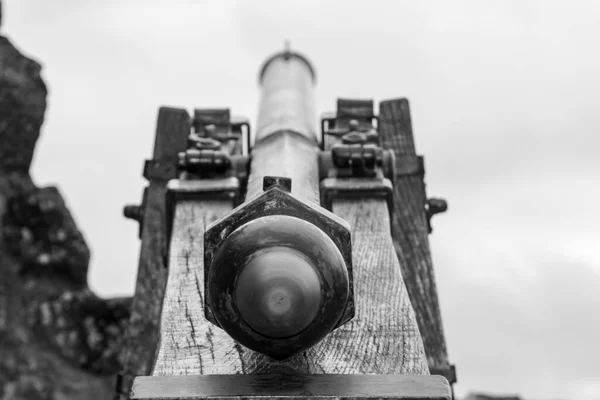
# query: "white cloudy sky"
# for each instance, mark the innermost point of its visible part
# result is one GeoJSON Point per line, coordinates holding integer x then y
{"type": "Point", "coordinates": [505, 98]}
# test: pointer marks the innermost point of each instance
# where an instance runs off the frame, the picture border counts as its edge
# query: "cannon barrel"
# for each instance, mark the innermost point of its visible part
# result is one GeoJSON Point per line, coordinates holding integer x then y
{"type": "Point", "coordinates": [285, 145]}
{"type": "Point", "coordinates": [279, 280]}
{"type": "Point", "coordinates": [285, 142]}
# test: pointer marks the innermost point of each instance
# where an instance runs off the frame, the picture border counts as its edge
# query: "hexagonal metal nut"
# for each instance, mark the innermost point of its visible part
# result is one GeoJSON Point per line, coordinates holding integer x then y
{"type": "Point", "coordinates": [276, 201]}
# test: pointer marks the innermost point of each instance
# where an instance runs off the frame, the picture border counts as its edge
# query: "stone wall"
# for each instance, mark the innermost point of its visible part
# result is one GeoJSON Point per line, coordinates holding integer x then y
{"type": "Point", "coordinates": [58, 340]}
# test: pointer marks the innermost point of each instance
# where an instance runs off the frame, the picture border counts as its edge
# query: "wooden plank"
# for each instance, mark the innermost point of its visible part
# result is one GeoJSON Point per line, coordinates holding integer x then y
{"type": "Point", "coordinates": [141, 339]}
{"type": "Point", "coordinates": [410, 234]}
{"type": "Point", "coordinates": [187, 340]}
{"type": "Point", "coordinates": [382, 339]}
{"type": "Point", "coordinates": [270, 387]}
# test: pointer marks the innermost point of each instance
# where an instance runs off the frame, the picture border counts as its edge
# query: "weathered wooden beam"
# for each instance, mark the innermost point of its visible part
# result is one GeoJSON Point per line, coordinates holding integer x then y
{"type": "Point", "coordinates": [382, 339]}
{"type": "Point", "coordinates": [410, 232]}
{"type": "Point", "coordinates": [142, 337]}
{"type": "Point", "coordinates": [187, 340]}
{"type": "Point", "coordinates": [270, 387]}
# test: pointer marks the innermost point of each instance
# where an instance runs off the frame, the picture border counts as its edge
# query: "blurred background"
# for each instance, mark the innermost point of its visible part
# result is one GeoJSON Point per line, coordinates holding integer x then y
{"type": "Point", "coordinates": [504, 97]}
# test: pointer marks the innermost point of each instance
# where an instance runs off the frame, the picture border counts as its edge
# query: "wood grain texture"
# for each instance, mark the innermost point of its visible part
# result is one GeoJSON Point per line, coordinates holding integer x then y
{"type": "Point", "coordinates": [271, 387]}
{"type": "Point", "coordinates": [382, 339]}
{"type": "Point", "coordinates": [187, 340]}
{"type": "Point", "coordinates": [409, 231]}
{"type": "Point", "coordinates": [141, 339]}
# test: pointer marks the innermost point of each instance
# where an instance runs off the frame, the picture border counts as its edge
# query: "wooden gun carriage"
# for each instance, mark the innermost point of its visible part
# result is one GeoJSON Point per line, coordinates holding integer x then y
{"type": "Point", "coordinates": [287, 261]}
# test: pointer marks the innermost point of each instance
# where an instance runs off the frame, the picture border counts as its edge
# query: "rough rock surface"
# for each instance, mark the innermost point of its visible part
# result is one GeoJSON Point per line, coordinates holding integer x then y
{"type": "Point", "coordinates": [22, 107]}
{"type": "Point", "coordinates": [57, 339]}
{"type": "Point", "coordinates": [39, 230]}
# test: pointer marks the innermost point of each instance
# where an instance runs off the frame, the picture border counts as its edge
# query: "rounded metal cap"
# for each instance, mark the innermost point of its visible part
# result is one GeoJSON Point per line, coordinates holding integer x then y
{"type": "Point", "coordinates": [278, 292]}
{"type": "Point", "coordinates": [278, 285]}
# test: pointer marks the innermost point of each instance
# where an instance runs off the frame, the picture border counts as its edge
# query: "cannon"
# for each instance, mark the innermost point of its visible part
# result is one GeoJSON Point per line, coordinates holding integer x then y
{"type": "Point", "coordinates": [279, 279]}
{"type": "Point", "coordinates": [271, 258]}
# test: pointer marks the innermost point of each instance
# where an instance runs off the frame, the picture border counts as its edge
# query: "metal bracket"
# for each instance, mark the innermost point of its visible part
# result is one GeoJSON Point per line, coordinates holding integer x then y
{"type": "Point", "coordinates": [355, 149]}
{"type": "Point", "coordinates": [204, 158]}
{"type": "Point", "coordinates": [215, 150]}
{"type": "Point", "coordinates": [218, 124]}
{"type": "Point", "coordinates": [356, 166]}
{"type": "Point", "coordinates": [302, 387]}
{"type": "Point", "coordinates": [338, 123]}
{"type": "Point", "coordinates": [219, 117]}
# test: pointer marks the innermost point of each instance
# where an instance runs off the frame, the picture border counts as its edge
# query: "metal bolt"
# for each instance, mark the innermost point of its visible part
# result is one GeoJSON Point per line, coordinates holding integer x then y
{"type": "Point", "coordinates": [354, 137]}
{"type": "Point", "coordinates": [181, 159]}
{"type": "Point", "coordinates": [210, 130]}
{"type": "Point", "coordinates": [134, 212]}
{"type": "Point", "coordinates": [208, 144]}
{"type": "Point", "coordinates": [434, 206]}
{"type": "Point", "coordinates": [280, 181]}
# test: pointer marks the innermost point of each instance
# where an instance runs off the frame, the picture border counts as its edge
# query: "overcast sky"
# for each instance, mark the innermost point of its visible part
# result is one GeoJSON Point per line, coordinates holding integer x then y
{"type": "Point", "coordinates": [505, 98]}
